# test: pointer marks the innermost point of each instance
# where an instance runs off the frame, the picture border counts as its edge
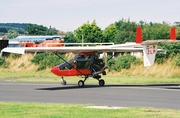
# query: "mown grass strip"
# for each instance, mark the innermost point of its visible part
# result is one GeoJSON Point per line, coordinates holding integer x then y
{"type": "Point", "coordinates": [110, 79]}
{"type": "Point", "coordinates": [40, 110]}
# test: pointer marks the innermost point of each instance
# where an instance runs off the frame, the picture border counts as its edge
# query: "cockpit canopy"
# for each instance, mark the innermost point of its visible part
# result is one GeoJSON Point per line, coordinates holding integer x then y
{"type": "Point", "coordinates": [80, 61]}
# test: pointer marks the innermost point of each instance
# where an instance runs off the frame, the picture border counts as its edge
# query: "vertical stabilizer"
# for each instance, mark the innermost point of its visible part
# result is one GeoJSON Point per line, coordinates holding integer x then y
{"type": "Point", "coordinates": [173, 33]}
{"type": "Point", "coordinates": [149, 54]}
{"type": "Point", "coordinates": [138, 35]}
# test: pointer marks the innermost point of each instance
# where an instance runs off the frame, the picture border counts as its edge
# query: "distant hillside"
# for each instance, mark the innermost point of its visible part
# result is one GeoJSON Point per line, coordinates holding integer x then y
{"type": "Point", "coordinates": [24, 29]}
{"type": "Point", "coordinates": [14, 25]}
{"type": "Point", "coordinates": [5, 27]}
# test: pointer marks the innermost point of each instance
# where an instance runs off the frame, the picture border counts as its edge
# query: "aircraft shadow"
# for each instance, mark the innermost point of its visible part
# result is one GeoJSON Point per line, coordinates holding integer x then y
{"type": "Point", "coordinates": [69, 87]}
{"type": "Point", "coordinates": [173, 88]}
{"type": "Point", "coordinates": [75, 86]}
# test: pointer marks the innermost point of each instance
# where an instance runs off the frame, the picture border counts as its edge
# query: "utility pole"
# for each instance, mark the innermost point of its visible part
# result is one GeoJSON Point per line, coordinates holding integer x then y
{"type": "Point", "coordinates": [82, 40]}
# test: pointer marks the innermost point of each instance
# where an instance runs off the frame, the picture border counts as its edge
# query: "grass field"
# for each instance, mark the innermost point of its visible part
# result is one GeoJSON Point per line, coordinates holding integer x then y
{"type": "Point", "coordinates": [39, 110]}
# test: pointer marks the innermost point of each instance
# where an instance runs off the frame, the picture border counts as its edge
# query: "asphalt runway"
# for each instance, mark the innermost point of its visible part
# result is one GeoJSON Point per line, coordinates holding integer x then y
{"type": "Point", "coordinates": [157, 96]}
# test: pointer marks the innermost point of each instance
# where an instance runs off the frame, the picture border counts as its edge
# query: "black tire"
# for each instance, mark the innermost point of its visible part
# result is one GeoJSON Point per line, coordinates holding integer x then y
{"type": "Point", "coordinates": [101, 82]}
{"type": "Point", "coordinates": [81, 83]}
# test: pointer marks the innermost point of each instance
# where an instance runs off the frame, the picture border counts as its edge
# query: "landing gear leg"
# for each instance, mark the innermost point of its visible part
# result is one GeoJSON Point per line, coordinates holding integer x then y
{"type": "Point", "coordinates": [101, 81]}
{"type": "Point", "coordinates": [63, 82]}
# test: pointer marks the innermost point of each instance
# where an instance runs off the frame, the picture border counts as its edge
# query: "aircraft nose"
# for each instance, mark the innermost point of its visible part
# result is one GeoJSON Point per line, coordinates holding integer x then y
{"type": "Point", "coordinates": [55, 70]}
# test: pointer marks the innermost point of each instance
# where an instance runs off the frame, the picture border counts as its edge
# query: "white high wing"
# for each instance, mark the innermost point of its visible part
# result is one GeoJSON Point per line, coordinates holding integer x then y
{"type": "Point", "coordinates": [149, 53]}
{"type": "Point", "coordinates": [149, 48]}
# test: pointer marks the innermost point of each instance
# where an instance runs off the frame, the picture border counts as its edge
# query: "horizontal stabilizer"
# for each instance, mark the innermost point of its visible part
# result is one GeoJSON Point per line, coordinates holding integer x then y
{"type": "Point", "coordinates": [13, 50]}
{"type": "Point", "coordinates": [155, 42]}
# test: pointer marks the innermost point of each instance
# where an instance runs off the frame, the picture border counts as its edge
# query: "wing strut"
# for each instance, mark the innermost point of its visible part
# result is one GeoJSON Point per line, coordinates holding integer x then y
{"type": "Point", "coordinates": [112, 56]}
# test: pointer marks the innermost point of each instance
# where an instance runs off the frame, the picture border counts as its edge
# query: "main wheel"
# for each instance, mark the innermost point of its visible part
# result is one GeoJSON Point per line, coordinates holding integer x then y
{"type": "Point", "coordinates": [101, 82]}
{"type": "Point", "coordinates": [81, 83]}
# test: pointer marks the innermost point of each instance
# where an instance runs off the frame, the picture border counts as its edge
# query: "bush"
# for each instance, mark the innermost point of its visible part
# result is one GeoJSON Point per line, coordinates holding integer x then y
{"type": "Point", "coordinates": [177, 61]}
{"type": "Point", "coordinates": [2, 60]}
{"type": "Point", "coordinates": [4, 63]}
{"type": "Point", "coordinates": [15, 56]}
{"type": "Point", "coordinates": [124, 62]}
{"type": "Point", "coordinates": [41, 67]}
{"type": "Point", "coordinates": [111, 62]}
{"type": "Point", "coordinates": [172, 50]}
{"type": "Point", "coordinates": [38, 58]}
{"type": "Point", "coordinates": [160, 58]}
{"type": "Point", "coordinates": [45, 60]}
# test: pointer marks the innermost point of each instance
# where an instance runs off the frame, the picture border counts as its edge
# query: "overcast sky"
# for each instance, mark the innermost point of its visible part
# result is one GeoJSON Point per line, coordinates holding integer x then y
{"type": "Point", "coordinates": [68, 15]}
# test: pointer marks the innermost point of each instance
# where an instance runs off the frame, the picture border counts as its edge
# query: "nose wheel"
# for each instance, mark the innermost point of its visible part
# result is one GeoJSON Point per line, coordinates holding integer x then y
{"type": "Point", "coordinates": [63, 82]}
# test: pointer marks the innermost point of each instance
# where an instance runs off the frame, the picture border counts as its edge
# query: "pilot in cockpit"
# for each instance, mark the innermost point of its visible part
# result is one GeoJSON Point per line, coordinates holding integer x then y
{"type": "Point", "coordinates": [83, 62]}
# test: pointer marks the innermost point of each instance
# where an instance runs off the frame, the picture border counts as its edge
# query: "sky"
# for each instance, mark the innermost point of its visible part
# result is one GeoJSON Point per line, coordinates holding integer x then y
{"type": "Point", "coordinates": [68, 15]}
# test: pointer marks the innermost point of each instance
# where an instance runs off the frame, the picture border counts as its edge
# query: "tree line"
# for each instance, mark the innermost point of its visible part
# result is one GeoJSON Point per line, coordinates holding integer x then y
{"type": "Point", "coordinates": [121, 31]}
{"type": "Point", "coordinates": [118, 32]}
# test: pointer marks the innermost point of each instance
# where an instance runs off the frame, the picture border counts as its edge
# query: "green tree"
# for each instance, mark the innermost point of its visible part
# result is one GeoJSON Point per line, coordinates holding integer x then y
{"type": "Point", "coordinates": [34, 29]}
{"type": "Point", "coordinates": [154, 31]}
{"type": "Point", "coordinates": [12, 34]}
{"type": "Point", "coordinates": [91, 33]}
{"type": "Point", "coordinates": [51, 31]}
{"type": "Point", "coordinates": [69, 38]}
{"type": "Point", "coordinates": [178, 32]}
{"type": "Point", "coordinates": [126, 31]}
{"type": "Point", "coordinates": [110, 33]}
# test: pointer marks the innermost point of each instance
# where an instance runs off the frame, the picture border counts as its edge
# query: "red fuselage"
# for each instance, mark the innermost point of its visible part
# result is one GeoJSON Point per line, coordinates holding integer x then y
{"type": "Point", "coordinates": [73, 72]}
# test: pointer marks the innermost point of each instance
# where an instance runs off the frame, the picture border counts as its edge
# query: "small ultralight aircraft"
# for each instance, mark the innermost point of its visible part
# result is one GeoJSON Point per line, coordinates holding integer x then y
{"type": "Point", "coordinates": [87, 62]}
